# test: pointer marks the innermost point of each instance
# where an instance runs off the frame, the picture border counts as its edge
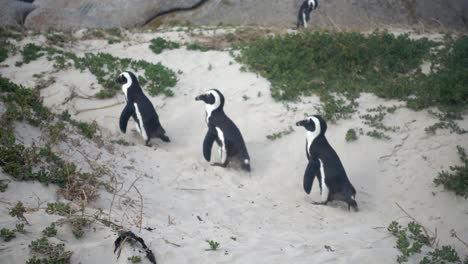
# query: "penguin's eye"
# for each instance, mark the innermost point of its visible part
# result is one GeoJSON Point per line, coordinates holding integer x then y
{"type": "Point", "coordinates": [210, 99]}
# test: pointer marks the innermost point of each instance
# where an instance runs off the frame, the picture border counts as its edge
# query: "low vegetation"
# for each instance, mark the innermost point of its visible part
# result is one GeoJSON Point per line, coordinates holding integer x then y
{"type": "Point", "coordinates": [351, 135]}
{"type": "Point", "coordinates": [158, 45]}
{"type": "Point", "coordinates": [156, 78]}
{"type": "Point", "coordinates": [50, 231]}
{"type": "Point", "coordinates": [412, 238]}
{"type": "Point", "coordinates": [7, 234]}
{"type": "Point", "coordinates": [456, 179]}
{"type": "Point", "coordinates": [280, 134]}
{"type": "Point", "coordinates": [346, 64]}
{"type": "Point", "coordinates": [374, 119]}
{"type": "Point", "coordinates": [213, 244]}
{"type": "Point", "coordinates": [134, 259]}
{"type": "Point", "coordinates": [197, 46]}
{"type": "Point", "coordinates": [48, 252]}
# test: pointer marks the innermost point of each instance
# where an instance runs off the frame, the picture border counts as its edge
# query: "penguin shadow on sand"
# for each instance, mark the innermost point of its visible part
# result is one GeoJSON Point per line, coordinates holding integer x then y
{"type": "Point", "coordinates": [140, 108]}
{"type": "Point", "coordinates": [325, 166]}
{"type": "Point", "coordinates": [223, 131]}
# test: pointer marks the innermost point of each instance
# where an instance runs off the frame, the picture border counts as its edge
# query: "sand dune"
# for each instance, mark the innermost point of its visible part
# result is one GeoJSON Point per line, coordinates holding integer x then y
{"type": "Point", "coordinates": [261, 217]}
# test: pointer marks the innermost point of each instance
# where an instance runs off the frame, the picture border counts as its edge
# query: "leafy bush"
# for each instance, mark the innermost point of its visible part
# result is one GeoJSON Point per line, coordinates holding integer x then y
{"type": "Point", "coordinates": [135, 259]}
{"type": "Point", "coordinates": [7, 234]}
{"type": "Point", "coordinates": [53, 253]}
{"type": "Point", "coordinates": [411, 239]}
{"type": "Point", "coordinates": [50, 231]}
{"type": "Point", "coordinates": [213, 244]}
{"type": "Point", "coordinates": [107, 67]}
{"type": "Point", "coordinates": [351, 135]}
{"type": "Point", "coordinates": [59, 208]}
{"type": "Point", "coordinates": [159, 44]}
{"type": "Point", "coordinates": [351, 63]}
{"type": "Point", "coordinates": [197, 46]}
{"type": "Point", "coordinates": [457, 179]}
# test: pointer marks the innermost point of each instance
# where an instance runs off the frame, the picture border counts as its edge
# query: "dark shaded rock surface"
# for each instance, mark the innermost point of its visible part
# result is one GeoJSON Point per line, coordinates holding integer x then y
{"type": "Point", "coordinates": [13, 13]}
{"type": "Point", "coordinates": [72, 14]}
{"type": "Point", "coordinates": [341, 14]}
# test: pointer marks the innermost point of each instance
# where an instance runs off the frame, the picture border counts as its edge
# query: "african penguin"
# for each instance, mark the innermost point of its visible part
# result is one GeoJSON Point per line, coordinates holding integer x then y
{"type": "Point", "coordinates": [140, 108]}
{"type": "Point", "coordinates": [304, 12]}
{"type": "Point", "coordinates": [222, 130]}
{"type": "Point", "coordinates": [325, 164]}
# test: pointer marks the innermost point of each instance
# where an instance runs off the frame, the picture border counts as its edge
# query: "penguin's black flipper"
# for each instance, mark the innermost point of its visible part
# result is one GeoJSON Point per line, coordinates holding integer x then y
{"type": "Point", "coordinates": [124, 116]}
{"type": "Point", "coordinates": [309, 175]}
{"type": "Point", "coordinates": [208, 143]}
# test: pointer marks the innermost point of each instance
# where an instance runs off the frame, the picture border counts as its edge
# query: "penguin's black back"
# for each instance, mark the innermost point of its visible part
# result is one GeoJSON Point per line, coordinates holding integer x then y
{"type": "Point", "coordinates": [231, 133]}
{"type": "Point", "coordinates": [335, 174]}
{"type": "Point", "coordinates": [148, 113]}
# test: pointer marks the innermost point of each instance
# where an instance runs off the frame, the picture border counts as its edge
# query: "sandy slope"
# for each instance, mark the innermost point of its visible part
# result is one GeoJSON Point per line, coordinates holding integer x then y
{"type": "Point", "coordinates": [262, 217]}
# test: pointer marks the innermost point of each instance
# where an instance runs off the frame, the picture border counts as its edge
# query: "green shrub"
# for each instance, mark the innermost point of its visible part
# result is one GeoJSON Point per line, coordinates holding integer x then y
{"type": "Point", "coordinates": [457, 179]}
{"type": "Point", "coordinates": [351, 135]}
{"type": "Point", "coordinates": [159, 44]}
{"type": "Point", "coordinates": [135, 259]}
{"type": "Point", "coordinates": [7, 234]}
{"type": "Point", "coordinates": [197, 46]}
{"type": "Point", "coordinates": [59, 208]}
{"type": "Point", "coordinates": [50, 231]}
{"type": "Point", "coordinates": [410, 241]}
{"type": "Point", "coordinates": [106, 68]}
{"type": "Point", "coordinates": [213, 244]}
{"type": "Point", "coordinates": [20, 228]}
{"type": "Point", "coordinates": [53, 253]}
{"type": "Point", "coordinates": [351, 63]}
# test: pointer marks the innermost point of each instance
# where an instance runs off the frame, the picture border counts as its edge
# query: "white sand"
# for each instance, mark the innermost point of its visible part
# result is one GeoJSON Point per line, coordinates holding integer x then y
{"type": "Point", "coordinates": [267, 211]}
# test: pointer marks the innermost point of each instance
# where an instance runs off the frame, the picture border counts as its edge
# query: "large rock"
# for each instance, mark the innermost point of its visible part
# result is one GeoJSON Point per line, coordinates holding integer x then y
{"type": "Point", "coordinates": [343, 14]}
{"type": "Point", "coordinates": [13, 13]}
{"type": "Point", "coordinates": [72, 14]}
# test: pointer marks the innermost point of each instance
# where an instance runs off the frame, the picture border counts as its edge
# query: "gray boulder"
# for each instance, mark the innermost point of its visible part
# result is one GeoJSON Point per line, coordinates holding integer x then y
{"type": "Point", "coordinates": [342, 14]}
{"type": "Point", "coordinates": [13, 13]}
{"type": "Point", "coordinates": [73, 14]}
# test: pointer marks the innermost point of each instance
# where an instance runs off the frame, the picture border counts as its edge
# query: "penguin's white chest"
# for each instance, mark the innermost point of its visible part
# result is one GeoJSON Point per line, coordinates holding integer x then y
{"type": "Point", "coordinates": [142, 129]}
{"type": "Point", "coordinates": [324, 189]}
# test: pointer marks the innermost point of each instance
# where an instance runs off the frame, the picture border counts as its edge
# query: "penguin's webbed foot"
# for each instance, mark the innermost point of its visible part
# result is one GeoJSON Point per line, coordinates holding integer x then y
{"type": "Point", "coordinates": [147, 143]}
{"type": "Point", "coordinates": [218, 164]}
{"type": "Point", "coordinates": [352, 204]}
{"type": "Point", "coordinates": [320, 203]}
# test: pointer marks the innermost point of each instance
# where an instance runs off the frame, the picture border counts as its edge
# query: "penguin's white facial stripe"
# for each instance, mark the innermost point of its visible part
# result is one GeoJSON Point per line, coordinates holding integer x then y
{"type": "Point", "coordinates": [325, 190]}
{"type": "Point", "coordinates": [311, 135]}
{"type": "Point", "coordinates": [140, 120]}
{"type": "Point", "coordinates": [211, 107]}
{"type": "Point", "coordinates": [312, 3]}
{"type": "Point", "coordinates": [126, 85]}
{"type": "Point", "coordinates": [246, 161]}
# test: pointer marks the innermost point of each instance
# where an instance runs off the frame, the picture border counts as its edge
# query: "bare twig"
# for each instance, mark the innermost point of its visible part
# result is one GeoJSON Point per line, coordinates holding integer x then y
{"type": "Point", "coordinates": [454, 234]}
{"type": "Point", "coordinates": [141, 207]}
{"type": "Point", "coordinates": [171, 243]}
{"type": "Point", "coordinates": [96, 108]}
{"type": "Point", "coordinates": [431, 239]}
{"type": "Point", "coordinates": [190, 189]}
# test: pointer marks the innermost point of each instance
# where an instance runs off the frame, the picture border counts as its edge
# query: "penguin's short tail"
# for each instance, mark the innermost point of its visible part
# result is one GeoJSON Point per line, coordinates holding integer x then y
{"type": "Point", "coordinates": [245, 165]}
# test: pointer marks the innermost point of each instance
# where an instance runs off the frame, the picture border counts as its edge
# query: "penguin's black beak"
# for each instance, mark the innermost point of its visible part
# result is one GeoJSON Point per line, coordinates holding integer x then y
{"type": "Point", "coordinates": [301, 123]}
{"type": "Point", "coordinates": [200, 97]}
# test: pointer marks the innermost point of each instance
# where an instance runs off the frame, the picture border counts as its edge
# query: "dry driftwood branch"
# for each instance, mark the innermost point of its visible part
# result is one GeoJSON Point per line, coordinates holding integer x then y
{"type": "Point", "coordinates": [130, 235]}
